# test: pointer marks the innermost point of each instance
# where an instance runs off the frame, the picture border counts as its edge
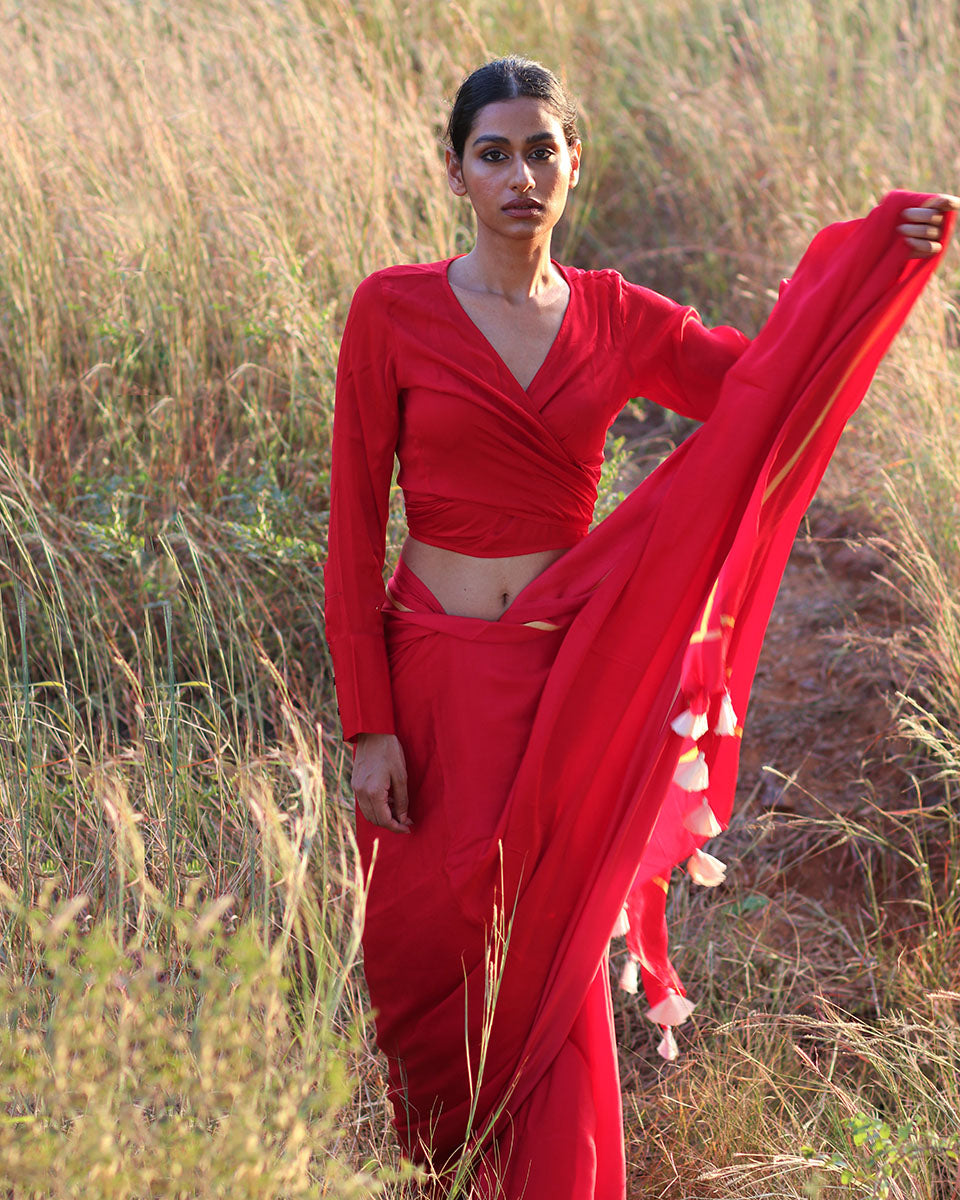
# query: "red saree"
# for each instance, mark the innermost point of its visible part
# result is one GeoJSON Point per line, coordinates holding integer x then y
{"type": "Point", "coordinates": [542, 750]}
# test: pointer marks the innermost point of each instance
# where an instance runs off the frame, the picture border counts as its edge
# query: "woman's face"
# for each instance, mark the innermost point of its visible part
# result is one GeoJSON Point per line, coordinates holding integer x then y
{"type": "Point", "coordinates": [516, 168]}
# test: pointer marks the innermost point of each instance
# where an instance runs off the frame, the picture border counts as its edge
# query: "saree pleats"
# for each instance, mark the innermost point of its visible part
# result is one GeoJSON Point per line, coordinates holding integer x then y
{"type": "Point", "coordinates": [549, 783]}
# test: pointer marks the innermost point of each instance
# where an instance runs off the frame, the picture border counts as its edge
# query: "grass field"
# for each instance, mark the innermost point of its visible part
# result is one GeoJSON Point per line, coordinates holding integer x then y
{"type": "Point", "coordinates": [188, 195]}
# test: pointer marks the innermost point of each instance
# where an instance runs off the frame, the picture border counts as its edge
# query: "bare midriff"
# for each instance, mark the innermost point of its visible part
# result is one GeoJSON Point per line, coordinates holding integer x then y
{"type": "Point", "coordinates": [467, 586]}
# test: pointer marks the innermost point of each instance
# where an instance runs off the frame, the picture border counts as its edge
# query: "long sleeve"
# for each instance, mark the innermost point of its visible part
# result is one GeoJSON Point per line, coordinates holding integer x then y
{"type": "Point", "coordinates": [365, 429]}
{"type": "Point", "coordinates": [672, 358]}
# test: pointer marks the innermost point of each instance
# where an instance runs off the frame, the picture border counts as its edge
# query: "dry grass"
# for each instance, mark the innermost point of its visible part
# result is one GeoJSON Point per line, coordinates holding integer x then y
{"type": "Point", "coordinates": [188, 194]}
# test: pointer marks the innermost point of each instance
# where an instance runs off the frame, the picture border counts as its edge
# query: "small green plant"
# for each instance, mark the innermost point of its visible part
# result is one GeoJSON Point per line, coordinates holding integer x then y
{"type": "Point", "coordinates": [882, 1156]}
{"type": "Point", "coordinates": [610, 490]}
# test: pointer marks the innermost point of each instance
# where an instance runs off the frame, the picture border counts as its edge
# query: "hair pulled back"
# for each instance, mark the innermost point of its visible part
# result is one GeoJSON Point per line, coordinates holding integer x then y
{"type": "Point", "coordinates": [506, 79]}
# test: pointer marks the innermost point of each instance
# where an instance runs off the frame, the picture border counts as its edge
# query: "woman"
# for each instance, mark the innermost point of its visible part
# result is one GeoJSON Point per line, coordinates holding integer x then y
{"type": "Point", "coordinates": [535, 712]}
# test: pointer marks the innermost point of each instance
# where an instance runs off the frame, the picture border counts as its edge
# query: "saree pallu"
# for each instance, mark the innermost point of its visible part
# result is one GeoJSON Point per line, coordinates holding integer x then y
{"type": "Point", "coordinates": [563, 759]}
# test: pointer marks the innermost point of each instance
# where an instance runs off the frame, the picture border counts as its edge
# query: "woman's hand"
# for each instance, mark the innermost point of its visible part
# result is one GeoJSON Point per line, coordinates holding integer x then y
{"type": "Point", "coordinates": [921, 227]}
{"type": "Point", "coordinates": [380, 781]}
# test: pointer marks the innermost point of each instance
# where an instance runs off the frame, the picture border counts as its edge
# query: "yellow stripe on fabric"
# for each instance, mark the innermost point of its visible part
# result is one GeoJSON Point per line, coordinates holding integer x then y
{"type": "Point", "coordinates": [395, 603]}
{"type": "Point", "coordinates": [661, 883]}
{"type": "Point", "coordinates": [706, 609]}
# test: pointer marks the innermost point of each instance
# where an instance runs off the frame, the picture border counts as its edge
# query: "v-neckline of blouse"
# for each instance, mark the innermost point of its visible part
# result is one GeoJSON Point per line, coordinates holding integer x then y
{"type": "Point", "coordinates": [526, 391]}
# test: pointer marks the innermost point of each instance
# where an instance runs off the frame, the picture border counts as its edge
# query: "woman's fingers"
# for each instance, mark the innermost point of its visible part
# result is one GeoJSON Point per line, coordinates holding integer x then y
{"type": "Point", "coordinates": [923, 249]}
{"type": "Point", "coordinates": [921, 230]}
{"type": "Point", "coordinates": [921, 243]}
{"type": "Point", "coordinates": [920, 221]}
{"type": "Point", "coordinates": [376, 808]}
{"type": "Point", "coordinates": [400, 797]}
{"type": "Point", "coordinates": [922, 224]}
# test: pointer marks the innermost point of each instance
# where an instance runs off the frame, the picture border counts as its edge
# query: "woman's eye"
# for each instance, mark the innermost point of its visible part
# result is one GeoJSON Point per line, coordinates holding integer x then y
{"type": "Point", "coordinates": [539, 154]}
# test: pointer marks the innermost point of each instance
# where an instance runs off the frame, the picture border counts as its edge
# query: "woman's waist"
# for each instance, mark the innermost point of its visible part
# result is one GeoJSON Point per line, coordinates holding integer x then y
{"type": "Point", "coordinates": [469, 586]}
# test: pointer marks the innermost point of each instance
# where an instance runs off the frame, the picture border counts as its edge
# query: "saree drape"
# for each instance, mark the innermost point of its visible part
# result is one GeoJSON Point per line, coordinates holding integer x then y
{"type": "Point", "coordinates": [564, 759]}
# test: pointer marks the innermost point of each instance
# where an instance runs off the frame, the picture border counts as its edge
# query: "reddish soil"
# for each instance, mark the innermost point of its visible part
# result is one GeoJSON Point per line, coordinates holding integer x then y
{"type": "Point", "coordinates": [817, 709]}
{"type": "Point", "coordinates": [819, 714]}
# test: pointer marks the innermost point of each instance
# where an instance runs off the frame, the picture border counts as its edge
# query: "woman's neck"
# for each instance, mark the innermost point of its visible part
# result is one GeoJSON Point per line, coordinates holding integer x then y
{"type": "Point", "coordinates": [516, 271]}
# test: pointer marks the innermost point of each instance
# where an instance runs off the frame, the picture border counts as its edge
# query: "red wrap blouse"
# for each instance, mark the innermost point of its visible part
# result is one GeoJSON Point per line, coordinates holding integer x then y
{"type": "Point", "coordinates": [487, 468]}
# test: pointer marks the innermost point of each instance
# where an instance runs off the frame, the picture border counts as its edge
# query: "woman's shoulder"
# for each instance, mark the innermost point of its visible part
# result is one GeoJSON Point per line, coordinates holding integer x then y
{"type": "Point", "coordinates": [392, 287]}
{"type": "Point", "coordinates": [609, 288]}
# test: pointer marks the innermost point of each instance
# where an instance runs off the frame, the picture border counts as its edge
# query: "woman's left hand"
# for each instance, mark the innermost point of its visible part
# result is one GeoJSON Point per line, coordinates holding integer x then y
{"type": "Point", "coordinates": [921, 227]}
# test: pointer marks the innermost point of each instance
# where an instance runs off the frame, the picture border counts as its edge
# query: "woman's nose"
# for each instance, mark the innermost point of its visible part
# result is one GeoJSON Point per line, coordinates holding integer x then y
{"type": "Point", "coordinates": [523, 176]}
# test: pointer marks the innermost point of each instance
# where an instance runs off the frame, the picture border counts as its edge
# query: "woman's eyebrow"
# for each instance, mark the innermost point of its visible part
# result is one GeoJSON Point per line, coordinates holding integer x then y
{"type": "Point", "coordinates": [498, 138]}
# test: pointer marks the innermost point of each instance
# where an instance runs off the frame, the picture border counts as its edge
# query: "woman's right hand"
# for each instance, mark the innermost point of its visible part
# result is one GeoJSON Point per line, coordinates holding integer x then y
{"type": "Point", "coordinates": [380, 781]}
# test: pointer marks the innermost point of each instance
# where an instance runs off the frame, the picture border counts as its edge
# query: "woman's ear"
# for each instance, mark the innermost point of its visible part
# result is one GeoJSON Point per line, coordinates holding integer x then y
{"type": "Point", "coordinates": [454, 173]}
{"type": "Point", "coordinates": [575, 152]}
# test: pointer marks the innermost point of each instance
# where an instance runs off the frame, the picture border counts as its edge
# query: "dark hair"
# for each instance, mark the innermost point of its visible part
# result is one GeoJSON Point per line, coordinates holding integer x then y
{"type": "Point", "coordinates": [506, 79]}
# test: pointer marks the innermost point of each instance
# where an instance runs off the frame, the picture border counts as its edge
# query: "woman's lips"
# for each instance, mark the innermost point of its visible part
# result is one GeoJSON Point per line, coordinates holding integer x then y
{"type": "Point", "coordinates": [523, 208]}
